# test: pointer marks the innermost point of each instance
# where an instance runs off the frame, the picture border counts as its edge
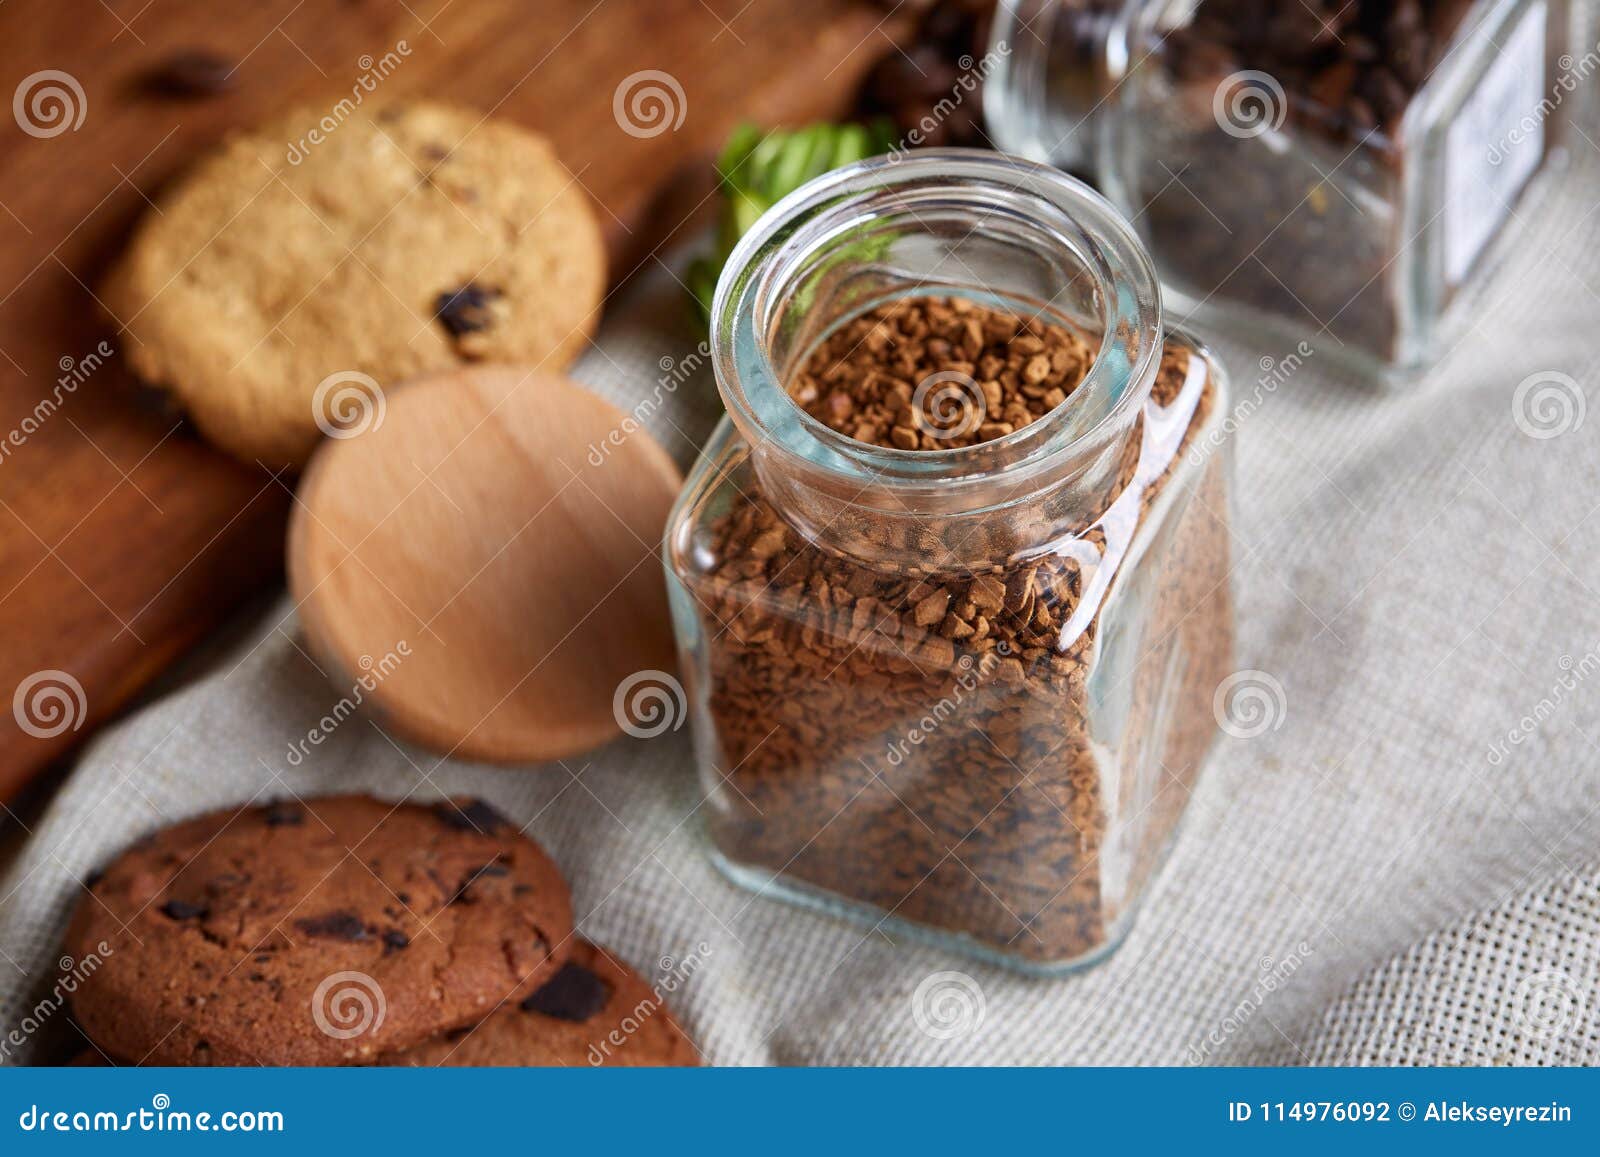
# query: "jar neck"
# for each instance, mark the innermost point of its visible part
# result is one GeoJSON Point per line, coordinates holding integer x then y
{"type": "Point", "coordinates": [998, 230]}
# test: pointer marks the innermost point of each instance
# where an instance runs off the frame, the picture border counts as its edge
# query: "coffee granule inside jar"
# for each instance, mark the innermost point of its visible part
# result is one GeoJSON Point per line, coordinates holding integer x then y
{"type": "Point", "coordinates": [939, 373]}
{"type": "Point", "coordinates": [918, 737]}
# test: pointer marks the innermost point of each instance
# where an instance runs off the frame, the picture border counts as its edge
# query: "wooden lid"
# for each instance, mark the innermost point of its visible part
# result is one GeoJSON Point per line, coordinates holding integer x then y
{"type": "Point", "coordinates": [484, 555]}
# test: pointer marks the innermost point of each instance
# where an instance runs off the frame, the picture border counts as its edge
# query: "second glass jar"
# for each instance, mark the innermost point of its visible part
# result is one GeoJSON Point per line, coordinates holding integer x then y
{"type": "Point", "coordinates": [1340, 172]}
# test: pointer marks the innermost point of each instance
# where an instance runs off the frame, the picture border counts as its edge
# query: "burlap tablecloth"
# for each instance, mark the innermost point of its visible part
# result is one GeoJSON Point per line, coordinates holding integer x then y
{"type": "Point", "coordinates": [1404, 869]}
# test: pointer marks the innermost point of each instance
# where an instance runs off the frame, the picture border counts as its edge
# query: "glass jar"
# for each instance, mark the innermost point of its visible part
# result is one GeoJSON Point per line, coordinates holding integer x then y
{"type": "Point", "coordinates": [1339, 172]}
{"type": "Point", "coordinates": [1005, 773]}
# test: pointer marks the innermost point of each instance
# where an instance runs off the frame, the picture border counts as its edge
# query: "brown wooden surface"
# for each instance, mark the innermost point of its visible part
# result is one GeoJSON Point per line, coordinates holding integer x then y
{"type": "Point", "coordinates": [123, 540]}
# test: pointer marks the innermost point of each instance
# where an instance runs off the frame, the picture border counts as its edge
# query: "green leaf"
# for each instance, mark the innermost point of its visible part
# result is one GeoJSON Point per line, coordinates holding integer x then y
{"type": "Point", "coordinates": [757, 168]}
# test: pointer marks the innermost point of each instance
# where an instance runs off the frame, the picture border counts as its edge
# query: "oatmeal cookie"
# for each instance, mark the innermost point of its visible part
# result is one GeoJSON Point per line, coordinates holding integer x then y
{"type": "Point", "coordinates": [404, 238]}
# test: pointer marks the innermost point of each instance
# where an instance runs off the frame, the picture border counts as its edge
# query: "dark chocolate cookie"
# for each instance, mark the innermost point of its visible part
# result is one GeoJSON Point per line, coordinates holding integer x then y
{"type": "Point", "coordinates": [594, 1011]}
{"type": "Point", "coordinates": [325, 932]}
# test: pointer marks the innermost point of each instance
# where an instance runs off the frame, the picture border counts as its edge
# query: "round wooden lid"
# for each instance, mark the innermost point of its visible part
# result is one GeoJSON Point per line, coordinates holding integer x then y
{"type": "Point", "coordinates": [484, 556]}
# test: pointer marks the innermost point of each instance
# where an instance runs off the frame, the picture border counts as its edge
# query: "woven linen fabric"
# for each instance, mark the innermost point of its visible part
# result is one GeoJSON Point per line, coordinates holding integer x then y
{"type": "Point", "coordinates": [1514, 986]}
{"type": "Point", "coordinates": [1400, 866]}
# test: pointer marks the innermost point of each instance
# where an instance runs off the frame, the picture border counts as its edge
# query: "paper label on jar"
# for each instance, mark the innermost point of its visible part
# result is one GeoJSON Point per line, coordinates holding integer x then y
{"type": "Point", "coordinates": [1494, 145]}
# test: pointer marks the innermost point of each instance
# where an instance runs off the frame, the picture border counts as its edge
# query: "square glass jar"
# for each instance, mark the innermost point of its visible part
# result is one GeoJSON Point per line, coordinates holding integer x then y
{"type": "Point", "coordinates": [1003, 775]}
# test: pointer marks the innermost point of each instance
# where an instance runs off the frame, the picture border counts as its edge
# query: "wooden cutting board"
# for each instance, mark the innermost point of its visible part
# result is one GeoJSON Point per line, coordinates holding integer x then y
{"type": "Point", "coordinates": [123, 539]}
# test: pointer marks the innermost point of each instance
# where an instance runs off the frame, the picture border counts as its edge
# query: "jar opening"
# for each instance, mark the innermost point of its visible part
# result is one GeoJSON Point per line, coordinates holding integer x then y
{"type": "Point", "coordinates": [996, 230]}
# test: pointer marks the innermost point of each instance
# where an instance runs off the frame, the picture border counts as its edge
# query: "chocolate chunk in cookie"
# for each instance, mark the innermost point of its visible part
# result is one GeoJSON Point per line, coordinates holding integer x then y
{"type": "Point", "coordinates": [575, 993]}
{"type": "Point", "coordinates": [183, 910]}
{"type": "Point", "coordinates": [345, 926]}
{"type": "Point", "coordinates": [471, 815]}
{"type": "Point", "coordinates": [466, 310]}
{"type": "Point", "coordinates": [594, 1011]}
{"type": "Point", "coordinates": [283, 813]}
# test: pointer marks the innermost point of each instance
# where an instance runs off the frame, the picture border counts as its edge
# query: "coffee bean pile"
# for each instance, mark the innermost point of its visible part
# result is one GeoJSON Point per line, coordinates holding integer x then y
{"type": "Point", "coordinates": [921, 739]}
{"type": "Point", "coordinates": [929, 89]}
{"type": "Point", "coordinates": [1347, 66]}
{"type": "Point", "coordinates": [1248, 224]}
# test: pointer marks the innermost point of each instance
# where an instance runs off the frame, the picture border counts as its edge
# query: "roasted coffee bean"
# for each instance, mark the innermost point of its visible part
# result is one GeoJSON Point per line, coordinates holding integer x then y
{"type": "Point", "coordinates": [930, 89]}
{"type": "Point", "coordinates": [1365, 59]}
{"type": "Point", "coordinates": [1386, 94]}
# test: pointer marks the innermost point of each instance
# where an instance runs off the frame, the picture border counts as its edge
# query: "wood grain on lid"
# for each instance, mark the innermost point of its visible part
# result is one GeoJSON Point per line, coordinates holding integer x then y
{"type": "Point", "coordinates": [473, 525]}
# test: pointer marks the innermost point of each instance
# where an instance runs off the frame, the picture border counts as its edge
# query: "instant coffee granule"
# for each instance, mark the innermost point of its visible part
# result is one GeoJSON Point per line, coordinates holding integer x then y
{"type": "Point", "coordinates": [997, 372]}
{"type": "Point", "coordinates": [929, 739]}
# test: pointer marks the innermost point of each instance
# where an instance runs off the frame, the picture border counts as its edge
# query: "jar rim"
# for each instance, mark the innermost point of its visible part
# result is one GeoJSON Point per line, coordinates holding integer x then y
{"type": "Point", "coordinates": [1061, 209]}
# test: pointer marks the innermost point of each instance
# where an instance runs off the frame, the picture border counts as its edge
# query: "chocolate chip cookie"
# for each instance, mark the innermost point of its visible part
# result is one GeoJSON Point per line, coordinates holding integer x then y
{"type": "Point", "coordinates": [594, 1011]}
{"type": "Point", "coordinates": [329, 931]}
{"type": "Point", "coordinates": [312, 256]}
